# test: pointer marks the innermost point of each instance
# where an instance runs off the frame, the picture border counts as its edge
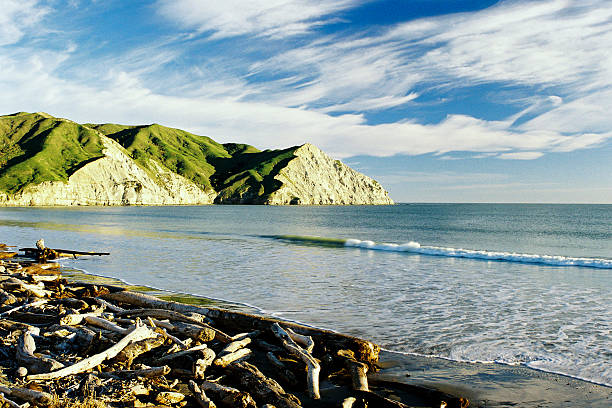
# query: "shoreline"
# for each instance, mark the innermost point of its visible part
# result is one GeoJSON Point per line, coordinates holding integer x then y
{"type": "Point", "coordinates": [485, 384]}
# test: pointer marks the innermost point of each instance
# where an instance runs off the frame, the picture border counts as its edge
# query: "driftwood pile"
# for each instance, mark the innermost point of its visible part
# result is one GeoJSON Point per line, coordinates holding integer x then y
{"type": "Point", "coordinates": [66, 342]}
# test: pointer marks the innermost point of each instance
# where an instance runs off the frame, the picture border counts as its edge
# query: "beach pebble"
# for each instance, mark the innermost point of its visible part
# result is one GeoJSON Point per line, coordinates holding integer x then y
{"type": "Point", "coordinates": [169, 398]}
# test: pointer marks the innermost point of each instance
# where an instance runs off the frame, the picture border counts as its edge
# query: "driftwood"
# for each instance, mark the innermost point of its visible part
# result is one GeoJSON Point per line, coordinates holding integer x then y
{"type": "Point", "coordinates": [32, 396]}
{"type": "Point", "coordinates": [264, 389]}
{"type": "Point", "coordinates": [306, 341]}
{"type": "Point", "coordinates": [130, 352]}
{"type": "Point", "coordinates": [25, 356]}
{"type": "Point", "coordinates": [230, 397]}
{"type": "Point", "coordinates": [230, 358]}
{"type": "Point", "coordinates": [201, 351]}
{"type": "Point", "coordinates": [200, 396]}
{"type": "Point", "coordinates": [312, 365]}
{"type": "Point", "coordinates": [357, 370]}
{"type": "Point", "coordinates": [105, 324]}
{"type": "Point", "coordinates": [286, 374]}
{"type": "Point", "coordinates": [235, 346]}
{"type": "Point", "coordinates": [32, 290]}
{"type": "Point", "coordinates": [365, 351]}
{"type": "Point", "coordinates": [173, 315]}
{"type": "Point", "coordinates": [152, 372]}
{"type": "Point", "coordinates": [139, 333]}
{"type": "Point", "coordinates": [77, 318]}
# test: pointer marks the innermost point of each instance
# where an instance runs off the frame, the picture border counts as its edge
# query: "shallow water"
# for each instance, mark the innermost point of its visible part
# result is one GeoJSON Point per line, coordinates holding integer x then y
{"type": "Point", "coordinates": [483, 306]}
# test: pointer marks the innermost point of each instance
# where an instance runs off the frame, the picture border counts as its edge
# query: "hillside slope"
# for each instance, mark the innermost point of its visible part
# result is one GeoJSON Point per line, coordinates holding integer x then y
{"type": "Point", "coordinates": [52, 161]}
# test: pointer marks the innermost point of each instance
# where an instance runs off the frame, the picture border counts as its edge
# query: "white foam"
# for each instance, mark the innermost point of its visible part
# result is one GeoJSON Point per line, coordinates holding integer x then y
{"type": "Point", "coordinates": [415, 247]}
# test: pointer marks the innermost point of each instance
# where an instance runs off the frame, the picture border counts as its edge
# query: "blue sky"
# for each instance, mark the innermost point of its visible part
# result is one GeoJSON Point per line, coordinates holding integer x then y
{"type": "Point", "coordinates": [451, 101]}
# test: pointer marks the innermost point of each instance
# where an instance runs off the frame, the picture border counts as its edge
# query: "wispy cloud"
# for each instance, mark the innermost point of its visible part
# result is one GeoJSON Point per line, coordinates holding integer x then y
{"type": "Point", "coordinates": [294, 95]}
{"type": "Point", "coordinates": [16, 17]}
{"type": "Point", "coordinates": [268, 18]}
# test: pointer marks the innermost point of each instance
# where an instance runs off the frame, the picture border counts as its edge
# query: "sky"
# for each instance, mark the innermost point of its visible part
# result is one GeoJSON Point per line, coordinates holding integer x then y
{"type": "Point", "coordinates": [440, 101]}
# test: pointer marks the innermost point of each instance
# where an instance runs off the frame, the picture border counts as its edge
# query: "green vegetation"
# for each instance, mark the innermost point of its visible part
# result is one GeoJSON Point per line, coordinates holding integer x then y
{"type": "Point", "coordinates": [37, 147]}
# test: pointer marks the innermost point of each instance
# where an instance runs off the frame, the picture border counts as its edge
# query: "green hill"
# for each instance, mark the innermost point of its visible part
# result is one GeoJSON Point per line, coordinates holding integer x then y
{"type": "Point", "coordinates": [37, 147]}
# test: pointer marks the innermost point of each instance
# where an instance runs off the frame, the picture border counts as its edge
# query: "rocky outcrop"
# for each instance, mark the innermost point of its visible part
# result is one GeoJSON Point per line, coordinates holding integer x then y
{"type": "Point", "coordinates": [114, 179]}
{"type": "Point", "coordinates": [314, 178]}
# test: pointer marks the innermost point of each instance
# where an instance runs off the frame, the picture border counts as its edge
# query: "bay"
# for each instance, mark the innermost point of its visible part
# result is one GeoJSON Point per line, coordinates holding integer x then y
{"type": "Point", "coordinates": [510, 283]}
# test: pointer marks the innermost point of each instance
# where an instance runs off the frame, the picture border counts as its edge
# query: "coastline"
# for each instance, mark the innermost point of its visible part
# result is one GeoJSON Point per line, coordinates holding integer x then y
{"type": "Point", "coordinates": [484, 384]}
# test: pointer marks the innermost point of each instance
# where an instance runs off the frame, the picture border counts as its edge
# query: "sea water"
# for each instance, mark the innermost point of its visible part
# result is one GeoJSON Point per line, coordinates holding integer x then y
{"type": "Point", "coordinates": [514, 284]}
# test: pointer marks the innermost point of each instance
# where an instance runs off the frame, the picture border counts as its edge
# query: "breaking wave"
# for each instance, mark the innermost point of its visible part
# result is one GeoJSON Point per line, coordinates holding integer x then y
{"type": "Point", "coordinates": [415, 247]}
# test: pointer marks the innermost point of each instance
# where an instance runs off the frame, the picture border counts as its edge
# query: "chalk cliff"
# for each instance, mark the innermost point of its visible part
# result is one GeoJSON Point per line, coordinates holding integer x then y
{"type": "Point", "coordinates": [46, 161]}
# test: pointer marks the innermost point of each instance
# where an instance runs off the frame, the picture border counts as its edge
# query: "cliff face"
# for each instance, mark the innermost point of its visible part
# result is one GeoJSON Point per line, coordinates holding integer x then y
{"type": "Point", "coordinates": [314, 178]}
{"type": "Point", "coordinates": [112, 180]}
{"type": "Point", "coordinates": [46, 161]}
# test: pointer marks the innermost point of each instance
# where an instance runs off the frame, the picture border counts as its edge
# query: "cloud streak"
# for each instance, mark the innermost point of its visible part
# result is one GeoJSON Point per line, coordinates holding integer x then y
{"type": "Point", "coordinates": [266, 18]}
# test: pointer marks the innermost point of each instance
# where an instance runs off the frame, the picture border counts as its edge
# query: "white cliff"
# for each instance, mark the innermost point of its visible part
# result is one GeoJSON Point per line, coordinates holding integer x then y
{"type": "Point", "coordinates": [114, 179]}
{"type": "Point", "coordinates": [314, 178]}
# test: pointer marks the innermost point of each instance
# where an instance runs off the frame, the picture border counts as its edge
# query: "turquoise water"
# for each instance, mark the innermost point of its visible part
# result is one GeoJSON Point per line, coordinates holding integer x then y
{"type": "Point", "coordinates": [516, 284]}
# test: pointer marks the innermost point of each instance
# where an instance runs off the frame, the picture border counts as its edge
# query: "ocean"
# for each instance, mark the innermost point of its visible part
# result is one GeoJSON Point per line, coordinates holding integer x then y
{"type": "Point", "coordinates": [514, 284]}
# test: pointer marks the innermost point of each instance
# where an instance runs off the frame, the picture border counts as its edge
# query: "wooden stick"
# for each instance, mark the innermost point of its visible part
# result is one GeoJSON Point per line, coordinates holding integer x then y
{"type": "Point", "coordinates": [152, 372]}
{"type": "Point", "coordinates": [130, 352]}
{"type": "Point", "coordinates": [200, 396]}
{"type": "Point", "coordinates": [77, 318]}
{"type": "Point", "coordinates": [312, 365]}
{"type": "Point", "coordinates": [109, 306]}
{"type": "Point", "coordinates": [139, 333]}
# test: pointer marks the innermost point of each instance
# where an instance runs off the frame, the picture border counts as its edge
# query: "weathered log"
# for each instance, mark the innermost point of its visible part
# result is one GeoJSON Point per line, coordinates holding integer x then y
{"type": "Point", "coordinates": [32, 396]}
{"type": "Point", "coordinates": [129, 353]}
{"type": "Point", "coordinates": [230, 397]}
{"type": "Point", "coordinates": [263, 389]}
{"type": "Point", "coordinates": [312, 365]}
{"type": "Point", "coordinates": [105, 324]}
{"type": "Point", "coordinates": [108, 305]}
{"type": "Point", "coordinates": [235, 346]}
{"type": "Point", "coordinates": [172, 315]}
{"type": "Point", "coordinates": [198, 333]}
{"type": "Point", "coordinates": [25, 356]}
{"type": "Point", "coordinates": [302, 340]}
{"type": "Point", "coordinates": [77, 318]}
{"type": "Point", "coordinates": [201, 364]}
{"type": "Point", "coordinates": [357, 370]}
{"type": "Point", "coordinates": [139, 333]}
{"type": "Point", "coordinates": [365, 351]}
{"type": "Point", "coordinates": [200, 396]}
{"type": "Point", "coordinates": [152, 372]}
{"type": "Point", "coordinates": [64, 252]}
{"type": "Point", "coordinates": [201, 350]}
{"type": "Point", "coordinates": [5, 402]}
{"type": "Point", "coordinates": [286, 374]}
{"type": "Point", "coordinates": [230, 358]}
{"type": "Point", "coordinates": [10, 325]}
{"type": "Point", "coordinates": [12, 284]}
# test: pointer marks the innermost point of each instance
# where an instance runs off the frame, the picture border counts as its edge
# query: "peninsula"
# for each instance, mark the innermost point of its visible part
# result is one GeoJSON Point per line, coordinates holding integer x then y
{"type": "Point", "coordinates": [49, 161]}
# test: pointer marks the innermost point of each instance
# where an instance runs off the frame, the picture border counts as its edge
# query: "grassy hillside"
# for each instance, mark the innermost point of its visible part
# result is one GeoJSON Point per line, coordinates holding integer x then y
{"type": "Point", "coordinates": [36, 147]}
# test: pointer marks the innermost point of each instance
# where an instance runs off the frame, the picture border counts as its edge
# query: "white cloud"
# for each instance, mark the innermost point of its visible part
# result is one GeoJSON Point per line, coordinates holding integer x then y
{"type": "Point", "coordinates": [16, 17]}
{"type": "Point", "coordinates": [521, 156]}
{"type": "Point", "coordinates": [269, 18]}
